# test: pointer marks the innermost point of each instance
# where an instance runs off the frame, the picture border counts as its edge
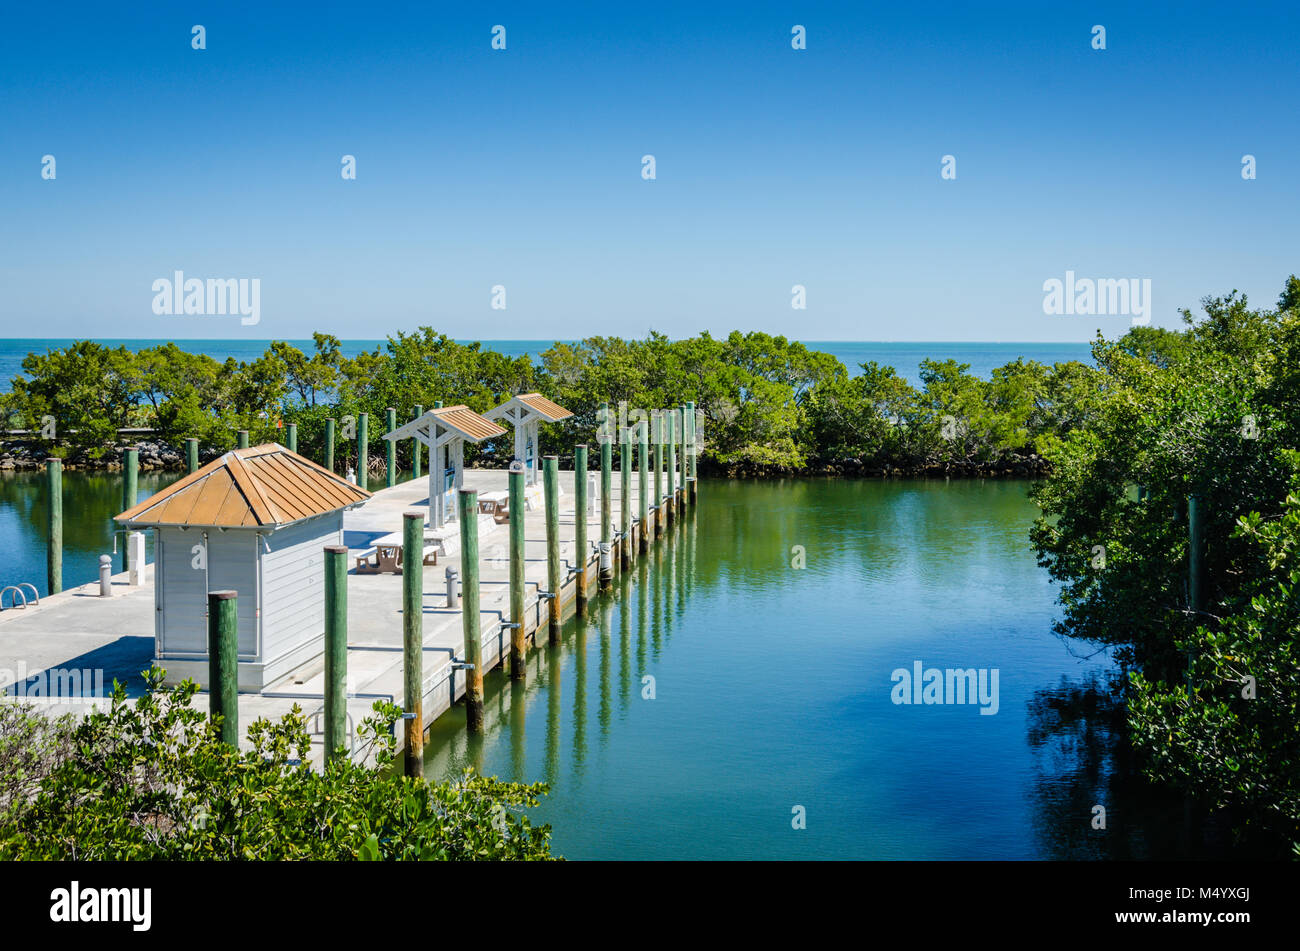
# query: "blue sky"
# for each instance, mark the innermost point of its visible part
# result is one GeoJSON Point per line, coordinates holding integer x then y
{"type": "Point", "coordinates": [522, 167]}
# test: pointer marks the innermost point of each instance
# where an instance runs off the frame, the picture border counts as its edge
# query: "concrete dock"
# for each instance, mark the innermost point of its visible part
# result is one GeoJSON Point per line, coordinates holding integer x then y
{"type": "Point", "coordinates": [80, 630]}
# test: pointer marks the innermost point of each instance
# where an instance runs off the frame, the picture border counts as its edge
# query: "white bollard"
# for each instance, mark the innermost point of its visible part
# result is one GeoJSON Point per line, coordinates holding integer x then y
{"type": "Point", "coordinates": [453, 588]}
{"type": "Point", "coordinates": [135, 557]}
{"type": "Point", "coordinates": [105, 575]}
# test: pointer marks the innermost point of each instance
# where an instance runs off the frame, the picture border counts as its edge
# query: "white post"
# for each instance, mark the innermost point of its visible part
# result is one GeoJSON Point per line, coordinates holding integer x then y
{"type": "Point", "coordinates": [105, 576]}
{"type": "Point", "coordinates": [437, 473]}
{"type": "Point", "coordinates": [135, 557]}
{"type": "Point", "coordinates": [521, 439]}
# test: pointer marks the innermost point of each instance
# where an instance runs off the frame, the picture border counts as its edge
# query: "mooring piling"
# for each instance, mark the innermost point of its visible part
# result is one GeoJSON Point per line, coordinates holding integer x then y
{"type": "Point", "coordinates": [192, 454]}
{"type": "Point", "coordinates": [606, 489]}
{"type": "Point", "coordinates": [417, 447]}
{"type": "Point", "coordinates": [469, 612]}
{"type": "Point", "coordinates": [291, 436]}
{"type": "Point", "coordinates": [1195, 553]}
{"type": "Point", "coordinates": [241, 439]}
{"type": "Point", "coordinates": [658, 421]}
{"type": "Point", "coordinates": [413, 639]}
{"type": "Point", "coordinates": [329, 444]}
{"type": "Point", "coordinates": [54, 525]}
{"type": "Point", "coordinates": [670, 498]}
{"type": "Point", "coordinates": [516, 512]}
{"type": "Point", "coordinates": [551, 491]}
{"type": "Point", "coordinates": [692, 455]}
{"type": "Point", "coordinates": [390, 452]}
{"type": "Point", "coordinates": [580, 525]}
{"type": "Point", "coordinates": [336, 649]}
{"type": "Point", "coordinates": [681, 476]}
{"type": "Point", "coordinates": [130, 480]}
{"type": "Point", "coordinates": [223, 663]}
{"type": "Point", "coordinates": [642, 476]}
{"type": "Point", "coordinates": [625, 500]}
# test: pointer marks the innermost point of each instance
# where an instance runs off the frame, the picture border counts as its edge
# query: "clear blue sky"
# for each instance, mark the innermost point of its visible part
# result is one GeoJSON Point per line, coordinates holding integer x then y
{"type": "Point", "coordinates": [522, 167]}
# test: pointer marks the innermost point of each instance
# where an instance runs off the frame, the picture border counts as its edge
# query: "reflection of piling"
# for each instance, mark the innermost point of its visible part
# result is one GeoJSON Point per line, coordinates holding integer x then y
{"type": "Point", "coordinates": [329, 444]}
{"type": "Point", "coordinates": [580, 525]}
{"type": "Point", "coordinates": [551, 490]}
{"type": "Point", "coordinates": [625, 503]}
{"type": "Point", "coordinates": [643, 457]}
{"type": "Point", "coordinates": [54, 525]}
{"type": "Point", "coordinates": [191, 454]}
{"type": "Point", "coordinates": [336, 648]}
{"type": "Point", "coordinates": [413, 638]}
{"type": "Point", "coordinates": [470, 610]}
{"type": "Point", "coordinates": [223, 663]}
{"type": "Point", "coordinates": [363, 450]}
{"type": "Point", "coordinates": [390, 452]}
{"type": "Point", "coordinates": [291, 437]}
{"type": "Point", "coordinates": [516, 510]}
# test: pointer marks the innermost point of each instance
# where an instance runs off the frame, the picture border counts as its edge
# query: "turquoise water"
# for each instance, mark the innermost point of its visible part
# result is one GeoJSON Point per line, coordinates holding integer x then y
{"type": "Point", "coordinates": [904, 357]}
{"type": "Point", "coordinates": [772, 690]}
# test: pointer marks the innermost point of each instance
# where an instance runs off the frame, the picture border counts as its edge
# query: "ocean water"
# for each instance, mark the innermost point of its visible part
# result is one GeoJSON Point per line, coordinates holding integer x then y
{"type": "Point", "coordinates": [904, 357]}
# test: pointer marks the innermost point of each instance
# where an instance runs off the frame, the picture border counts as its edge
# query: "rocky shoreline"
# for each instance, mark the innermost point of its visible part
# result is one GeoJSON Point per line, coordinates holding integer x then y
{"type": "Point", "coordinates": [154, 457]}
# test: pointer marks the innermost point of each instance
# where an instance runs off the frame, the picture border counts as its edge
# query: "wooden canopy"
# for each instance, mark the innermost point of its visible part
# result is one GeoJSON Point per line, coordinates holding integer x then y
{"type": "Point", "coordinates": [248, 488]}
{"type": "Point", "coordinates": [526, 412]}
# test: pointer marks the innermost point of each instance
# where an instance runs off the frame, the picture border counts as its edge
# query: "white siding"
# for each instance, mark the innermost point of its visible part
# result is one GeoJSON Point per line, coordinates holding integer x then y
{"type": "Point", "coordinates": [183, 589]}
{"type": "Point", "coordinates": [293, 583]}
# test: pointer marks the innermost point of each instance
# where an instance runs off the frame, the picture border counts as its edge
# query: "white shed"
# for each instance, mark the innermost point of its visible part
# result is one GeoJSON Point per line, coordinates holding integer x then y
{"type": "Point", "coordinates": [254, 521]}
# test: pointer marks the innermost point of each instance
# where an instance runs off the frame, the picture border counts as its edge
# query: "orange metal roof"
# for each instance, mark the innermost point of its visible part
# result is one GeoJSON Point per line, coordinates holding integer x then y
{"type": "Point", "coordinates": [468, 422]}
{"type": "Point", "coordinates": [538, 402]}
{"type": "Point", "coordinates": [246, 488]}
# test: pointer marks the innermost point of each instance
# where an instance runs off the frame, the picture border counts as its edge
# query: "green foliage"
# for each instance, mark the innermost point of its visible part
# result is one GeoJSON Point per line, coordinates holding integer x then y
{"type": "Point", "coordinates": [150, 779]}
{"type": "Point", "coordinates": [1213, 412]}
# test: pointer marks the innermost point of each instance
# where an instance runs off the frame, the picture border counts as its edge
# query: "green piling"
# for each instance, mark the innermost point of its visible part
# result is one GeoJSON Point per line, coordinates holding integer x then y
{"type": "Point", "coordinates": [693, 476]}
{"type": "Point", "coordinates": [670, 500]}
{"type": "Point", "coordinates": [643, 458]}
{"type": "Point", "coordinates": [241, 439]}
{"type": "Point", "coordinates": [469, 610]}
{"type": "Point", "coordinates": [551, 491]}
{"type": "Point", "coordinates": [291, 436]}
{"type": "Point", "coordinates": [517, 476]}
{"type": "Point", "coordinates": [329, 444]}
{"type": "Point", "coordinates": [130, 481]}
{"type": "Point", "coordinates": [336, 649]}
{"type": "Point", "coordinates": [657, 418]}
{"type": "Point", "coordinates": [417, 447]}
{"type": "Point", "coordinates": [580, 524]}
{"type": "Point", "coordinates": [192, 454]}
{"type": "Point", "coordinates": [625, 502]}
{"type": "Point", "coordinates": [54, 525]}
{"type": "Point", "coordinates": [390, 454]}
{"type": "Point", "coordinates": [413, 639]}
{"type": "Point", "coordinates": [1196, 553]}
{"type": "Point", "coordinates": [606, 495]}
{"type": "Point", "coordinates": [223, 663]}
{"type": "Point", "coordinates": [363, 450]}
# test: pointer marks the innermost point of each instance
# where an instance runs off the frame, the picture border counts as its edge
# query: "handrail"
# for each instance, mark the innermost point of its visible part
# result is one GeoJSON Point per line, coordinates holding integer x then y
{"type": "Point", "coordinates": [18, 593]}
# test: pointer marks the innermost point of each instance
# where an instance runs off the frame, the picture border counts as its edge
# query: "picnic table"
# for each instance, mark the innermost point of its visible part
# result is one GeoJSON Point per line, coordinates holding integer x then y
{"type": "Point", "coordinates": [496, 504]}
{"type": "Point", "coordinates": [385, 555]}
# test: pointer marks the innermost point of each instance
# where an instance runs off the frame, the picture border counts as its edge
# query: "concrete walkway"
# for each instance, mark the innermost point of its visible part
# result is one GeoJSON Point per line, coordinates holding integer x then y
{"type": "Point", "coordinates": [78, 629]}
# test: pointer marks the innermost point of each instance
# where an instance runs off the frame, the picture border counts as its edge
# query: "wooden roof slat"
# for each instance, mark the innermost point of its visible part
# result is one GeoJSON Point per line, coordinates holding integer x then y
{"type": "Point", "coordinates": [263, 485]}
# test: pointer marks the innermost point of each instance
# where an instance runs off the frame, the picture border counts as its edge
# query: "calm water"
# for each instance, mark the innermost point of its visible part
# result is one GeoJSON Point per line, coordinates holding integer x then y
{"type": "Point", "coordinates": [90, 500]}
{"type": "Point", "coordinates": [904, 357]}
{"type": "Point", "coordinates": [772, 684]}
{"type": "Point", "coordinates": [772, 689]}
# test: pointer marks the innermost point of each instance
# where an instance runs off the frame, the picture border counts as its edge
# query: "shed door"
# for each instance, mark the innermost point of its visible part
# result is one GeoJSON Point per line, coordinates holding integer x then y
{"type": "Point", "coordinates": [182, 594]}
